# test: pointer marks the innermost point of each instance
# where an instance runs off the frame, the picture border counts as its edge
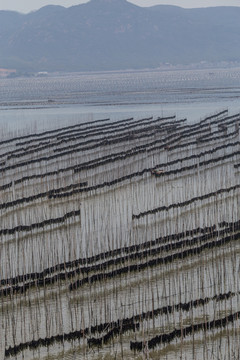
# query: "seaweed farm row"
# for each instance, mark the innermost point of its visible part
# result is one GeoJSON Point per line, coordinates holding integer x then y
{"type": "Point", "coordinates": [121, 240]}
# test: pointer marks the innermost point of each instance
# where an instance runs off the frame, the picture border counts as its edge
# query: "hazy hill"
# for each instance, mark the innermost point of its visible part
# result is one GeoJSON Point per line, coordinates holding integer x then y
{"type": "Point", "coordinates": [115, 34]}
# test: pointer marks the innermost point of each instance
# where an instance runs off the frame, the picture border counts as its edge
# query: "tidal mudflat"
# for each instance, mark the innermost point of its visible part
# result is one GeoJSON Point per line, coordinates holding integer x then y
{"type": "Point", "coordinates": [120, 240]}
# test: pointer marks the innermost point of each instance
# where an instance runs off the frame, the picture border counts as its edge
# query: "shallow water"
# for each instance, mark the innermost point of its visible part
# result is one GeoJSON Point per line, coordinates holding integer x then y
{"type": "Point", "coordinates": [57, 99]}
{"type": "Point", "coordinates": [106, 217]}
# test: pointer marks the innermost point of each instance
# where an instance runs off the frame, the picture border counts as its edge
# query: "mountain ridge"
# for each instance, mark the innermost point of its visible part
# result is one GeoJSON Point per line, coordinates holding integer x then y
{"type": "Point", "coordinates": [116, 35]}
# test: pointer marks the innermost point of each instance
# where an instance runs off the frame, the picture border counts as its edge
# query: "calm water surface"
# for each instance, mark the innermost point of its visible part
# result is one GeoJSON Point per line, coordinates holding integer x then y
{"type": "Point", "coordinates": [38, 103]}
{"type": "Point", "coordinates": [50, 101]}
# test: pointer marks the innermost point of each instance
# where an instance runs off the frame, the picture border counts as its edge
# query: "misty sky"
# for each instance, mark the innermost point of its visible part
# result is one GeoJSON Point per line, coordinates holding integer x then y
{"type": "Point", "coordinates": [30, 5]}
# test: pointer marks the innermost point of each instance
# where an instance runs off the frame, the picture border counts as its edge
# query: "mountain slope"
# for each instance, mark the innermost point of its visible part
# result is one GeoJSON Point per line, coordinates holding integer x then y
{"type": "Point", "coordinates": [115, 34]}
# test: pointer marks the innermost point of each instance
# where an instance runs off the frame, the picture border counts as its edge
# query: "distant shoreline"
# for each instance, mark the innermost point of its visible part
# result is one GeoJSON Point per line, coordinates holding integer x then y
{"type": "Point", "coordinates": [14, 73]}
